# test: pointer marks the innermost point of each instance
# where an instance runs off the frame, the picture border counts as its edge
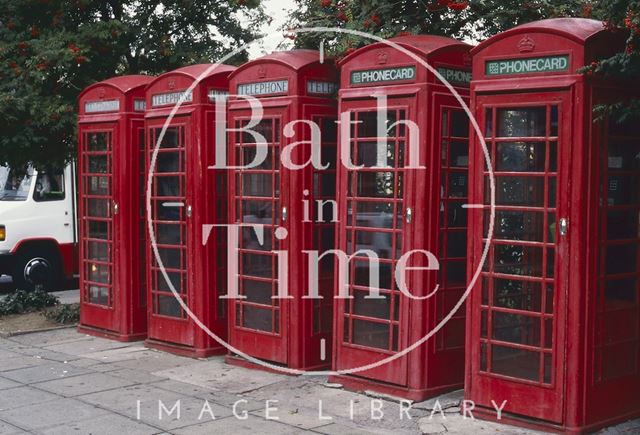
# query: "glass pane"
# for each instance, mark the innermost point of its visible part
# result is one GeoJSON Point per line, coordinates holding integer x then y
{"type": "Point", "coordinates": [248, 154]}
{"type": "Point", "coordinates": [374, 214]}
{"type": "Point", "coordinates": [256, 184]}
{"type": "Point", "coordinates": [97, 141]}
{"type": "Point", "coordinates": [168, 186]}
{"type": "Point", "coordinates": [518, 295]}
{"type": "Point", "coordinates": [257, 265]}
{"type": "Point", "coordinates": [369, 307]}
{"type": "Point", "coordinates": [623, 190]}
{"type": "Point", "coordinates": [362, 274]}
{"type": "Point", "coordinates": [99, 273]}
{"type": "Point", "coordinates": [168, 306]}
{"type": "Point", "coordinates": [621, 258]}
{"type": "Point", "coordinates": [456, 215]}
{"type": "Point", "coordinates": [168, 162]}
{"type": "Point", "coordinates": [370, 334]}
{"type": "Point", "coordinates": [170, 138]}
{"type": "Point", "coordinates": [518, 191]}
{"type": "Point", "coordinates": [169, 234]}
{"type": "Point", "coordinates": [458, 184]}
{"type": "Point", "coordinates": [98, 295]}
{"type": "Point", "coordinates": [98, 251]}
{"type": "Point", "coordinates": [370, 154]}
{"type": "Point", "coordinates": [517, 225]}
{"type": "Point", "coordinates": [518, 260]}
{"type": "Point", "coordinates": [98, 207]}
{"type": "Point", "coordinates": [378, 242]}
{"type": "Point", "coordinates": [170, 257]}
{"type": "Point", "coordinates": [459, 123]}
{"type": "Point", "coordinates": [257, 318]}
{"type": "Point", "coordinates": [378, 184]}
{"type": "Point", "coordinates": [174, 277]}
{"type": "Point", "coordinates": [516, 328]}
{"type": "Point", "coordinates": [258, 292]}
{"type": "Point", "coordinates": [520, 157]}
{"type": "Point", "coordinates": [459, 154]}
{"type": "Point", "coordinates": [257, 212]}
{"type": "Point", "coordinates": [98, 164]}
{"type": "Point", "coordinates": [620, 293]}
{"type": "Point", "coordinates": [623, 156]}
{"type": "Point", "coordinates": [517, 363]}
{"type": "Point", "coordinates": [456, 244]}
{"type": "Point", "coordinates": [622, 224]}
{"type": "Point", "coordinates": [522, 122]}
{"type": "Point", "coordinates": [98, 185]}
{"type": "Point", "coordinates": [98, 230]}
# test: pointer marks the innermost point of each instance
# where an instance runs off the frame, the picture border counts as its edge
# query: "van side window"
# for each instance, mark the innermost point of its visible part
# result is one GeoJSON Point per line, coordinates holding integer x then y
{"type": "Point", "coordinates": [49, 186]}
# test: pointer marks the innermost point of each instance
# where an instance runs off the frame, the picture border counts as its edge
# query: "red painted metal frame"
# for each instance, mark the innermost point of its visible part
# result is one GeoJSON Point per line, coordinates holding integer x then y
{"type": "Point", "coordinates": [185, 155]}
{"type": "Point", "coordinates": [577, 397]}
{"type": "Point", "coordinates": [438, 365]}
{"type": "Point", "coordinates": [123, 315]}
{"type": "Point", "coordinates": [292, 329]}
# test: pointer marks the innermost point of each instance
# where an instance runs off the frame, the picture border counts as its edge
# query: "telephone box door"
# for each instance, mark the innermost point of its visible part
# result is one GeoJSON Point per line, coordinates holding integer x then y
{"type": "Point", "coordinates": [98, 226]}
{"type": "Point", "coordinates": [257, 319]}
{"type": "Point", "coordinates": [170, 210]}
{"type": "Point", "coordinates": [518, 333]}
{"type": "Point", "coordinates": [375, 215]}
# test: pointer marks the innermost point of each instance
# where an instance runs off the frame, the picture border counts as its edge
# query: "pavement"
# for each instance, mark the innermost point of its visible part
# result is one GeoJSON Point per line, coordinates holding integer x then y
{"type": "Point", "coordinates": [61, 382]}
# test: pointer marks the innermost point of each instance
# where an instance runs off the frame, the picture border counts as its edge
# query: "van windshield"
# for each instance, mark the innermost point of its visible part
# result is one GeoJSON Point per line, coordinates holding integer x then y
{"type": "Point", "coordinates": [14, 185]}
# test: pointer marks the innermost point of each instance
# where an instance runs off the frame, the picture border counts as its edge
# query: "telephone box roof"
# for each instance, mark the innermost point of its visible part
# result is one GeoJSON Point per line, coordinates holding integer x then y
{"type": "Point", "coordinates": [294, 59]}
{"type": "Point", "coordinates": [124, 84]}
{"type": "Point", "coordinates": [576, 29]}
{"type": "Point", "coordinates": [424, 45]}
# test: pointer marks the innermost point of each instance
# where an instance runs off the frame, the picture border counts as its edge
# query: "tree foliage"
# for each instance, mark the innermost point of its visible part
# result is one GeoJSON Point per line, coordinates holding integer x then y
{"type": "Point", "coordinates": [50, 50]}
{"type": "Point", "coordinates": [472, 20]}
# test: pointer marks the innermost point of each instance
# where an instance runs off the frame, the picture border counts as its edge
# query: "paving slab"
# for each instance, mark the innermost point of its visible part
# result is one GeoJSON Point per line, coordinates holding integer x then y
{"type": "Point", "coordinates": [218, 375]}
{"type": "Point", "coordinates": [85, 346]}
{"type": "Point", "coordinates": [45, 338]}
{"type": "Point", "coordinates": [153, 361]}
{"type": "Point", "coordinates": [22, 396]}
{"type": "Point", "coordinates": [51, 413]}
{"type": "Point", "coordinates": [6, 383]}
{"type": "Point", "coordinates": [216, 396]}
{"type": "Point", "coordinates": [49, 355]}
{"type": "Point", "coordinates": [9, 429]}
{"type": "Point", "coordinates": [137, 376]}
{"type": "Point", "coordinates": [232, 425]}
{"type": "Point", "coordinates": [46, 371]}
{"type": "Point", "coordinates": [20, 362]}
{"type": "Point", "coordinates": [119, 354]}
{"type": "Point", "coordinates": [103, 425]}
{"type": "Point", "coordinates": [83, 384]}
{"type": "Point", "coordinates": [343, 429]}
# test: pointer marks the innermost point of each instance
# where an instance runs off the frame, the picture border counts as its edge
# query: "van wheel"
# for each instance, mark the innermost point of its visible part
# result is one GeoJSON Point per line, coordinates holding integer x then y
{"type": "Point", "coordinates": [37, 269]}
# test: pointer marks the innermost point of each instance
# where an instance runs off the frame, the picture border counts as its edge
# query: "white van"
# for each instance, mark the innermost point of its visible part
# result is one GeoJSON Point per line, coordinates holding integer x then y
{"type": "Point", "coordinates": [38, 226]}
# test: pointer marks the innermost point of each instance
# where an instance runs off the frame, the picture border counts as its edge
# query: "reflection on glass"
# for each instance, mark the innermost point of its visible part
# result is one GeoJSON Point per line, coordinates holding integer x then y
{"type": "Point", "coordinates": [378, 184]}
{"type": "Point", "coordinates": [168, 306]}
{"type": "Point", "coordinates": [98, 295]}
{"type": "Point", "coordinates": [517, 363]}
{"type": "Point", "coordinates": [522, 122]}
{"type": "Point", "coordinates": [257, 318]}
{"type": "Point", "coordinates": [97, 141]}
{"type": "Point", "coordinates": [517, 295]}
{"type": "Point", "coordinates": [370, 334]}
{"type": "Point", "coordinates": [520, 157]}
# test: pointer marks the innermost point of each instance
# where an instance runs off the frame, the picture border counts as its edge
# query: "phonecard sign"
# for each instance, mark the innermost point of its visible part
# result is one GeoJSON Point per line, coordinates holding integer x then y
{"type": "Point", "coordinates": [527, 66]}
{"type": "Point", "coordinates": [102, 106]}
{"type": "Point", "coordinates": [274, 87]}
{"type": "Point", "coordinates": [171, 98]}
{"type": "Point", "coordinates": [455, 75]}
{"type": "Point", "coordinates": [381, 75]}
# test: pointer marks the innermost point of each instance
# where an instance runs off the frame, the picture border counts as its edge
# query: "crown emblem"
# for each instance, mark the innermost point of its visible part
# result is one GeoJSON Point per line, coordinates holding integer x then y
{"type": "Point", "coordinates": [526, 44]}
{"type": "Point", "coordinates": [382, 57]}
{"type": "Point", "coordinates": [101, 93]}
{"type": "Point", "coordinates": [262, 72]}
{"type": "Point", "coordinates": [172, 84]}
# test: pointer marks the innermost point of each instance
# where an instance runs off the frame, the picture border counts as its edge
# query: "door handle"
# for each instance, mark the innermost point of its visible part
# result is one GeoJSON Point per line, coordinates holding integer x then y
{"type": "Point", "coordinates": [564, 226]}
{"type": "Point", "coordinates": [116, 208]}
{"type": "Point", "coordinates": [189, 211]}
{"type": "Point", "coordinates": [284, 214]}
{"type": "Point", "coordinates": [408, 215]}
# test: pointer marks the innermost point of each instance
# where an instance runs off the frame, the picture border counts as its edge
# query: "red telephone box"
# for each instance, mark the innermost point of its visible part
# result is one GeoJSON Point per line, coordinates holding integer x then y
{"type": "Point", "coordinates": [392, 208]}
{"type": "Point", "coordinates": [291, 86]}
{"type": "Point", "coordinates": [185, 196]}
{"type": "Point", "coordinates": [554, 318]}
{"type": "Point", "coordinates": [110, 146]}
